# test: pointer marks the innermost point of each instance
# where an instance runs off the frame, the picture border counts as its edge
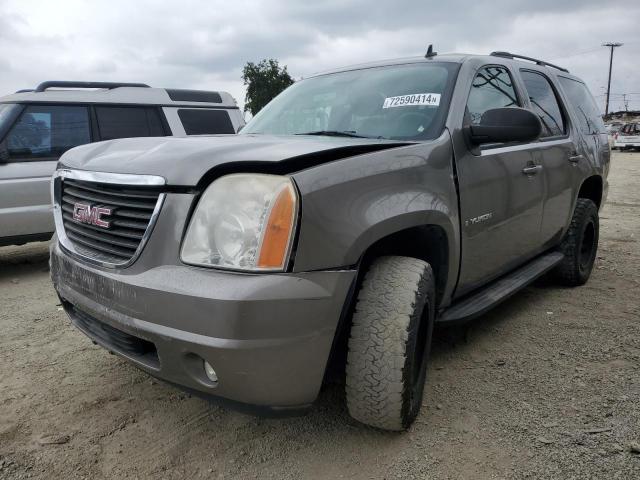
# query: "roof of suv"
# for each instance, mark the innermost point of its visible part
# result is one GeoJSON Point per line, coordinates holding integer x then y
{"type": "Point", "coordinates": [499, 57]}
{"type": "Point", "coordinates": [139, 94]}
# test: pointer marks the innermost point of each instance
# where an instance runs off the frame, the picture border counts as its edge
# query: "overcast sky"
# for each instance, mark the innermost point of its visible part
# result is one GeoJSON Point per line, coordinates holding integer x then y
{"type": "Point", "coordinates": [204, 44]}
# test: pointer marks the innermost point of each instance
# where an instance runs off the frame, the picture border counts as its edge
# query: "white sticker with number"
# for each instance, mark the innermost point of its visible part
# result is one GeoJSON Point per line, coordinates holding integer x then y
{"type": "Point", "coordinates": [412, 100]}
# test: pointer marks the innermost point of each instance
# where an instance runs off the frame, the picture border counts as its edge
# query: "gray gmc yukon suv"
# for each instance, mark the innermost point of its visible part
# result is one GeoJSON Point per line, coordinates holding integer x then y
{"type": "Point", "coordinates": [355, 211]}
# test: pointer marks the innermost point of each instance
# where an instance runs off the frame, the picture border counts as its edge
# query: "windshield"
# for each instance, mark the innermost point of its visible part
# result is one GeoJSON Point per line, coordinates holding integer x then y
{"type": "Point", "coordinates": [400, 102]}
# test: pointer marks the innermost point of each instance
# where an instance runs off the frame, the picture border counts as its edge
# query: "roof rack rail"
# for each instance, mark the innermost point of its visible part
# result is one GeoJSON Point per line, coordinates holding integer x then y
{"type": "Point", "coordinates": [522, 57]}
{"type": "Point", "coordinates": [69, 84]}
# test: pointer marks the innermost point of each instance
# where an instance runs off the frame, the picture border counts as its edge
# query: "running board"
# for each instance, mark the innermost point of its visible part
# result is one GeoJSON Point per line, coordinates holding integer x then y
{"type": "Point", "coordinates": [478, 303]}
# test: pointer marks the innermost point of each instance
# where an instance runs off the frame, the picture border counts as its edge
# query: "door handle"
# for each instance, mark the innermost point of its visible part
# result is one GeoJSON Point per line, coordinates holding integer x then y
{"type": "Point", "coordinates": [575, 158]}
{"type": "Point", "coordinates": [532, 170]}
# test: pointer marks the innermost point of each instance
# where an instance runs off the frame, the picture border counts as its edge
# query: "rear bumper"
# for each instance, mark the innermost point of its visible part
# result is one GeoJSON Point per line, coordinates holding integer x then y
{"type": "Point", "coordinates": [268, 337]}
{"type": "Point", "coordinates": [631, 144]}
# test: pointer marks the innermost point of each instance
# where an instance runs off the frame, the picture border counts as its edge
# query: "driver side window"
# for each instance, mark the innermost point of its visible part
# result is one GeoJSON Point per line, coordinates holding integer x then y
{"type": "Point", "coordinates": [492, 88]}
{"type": "Point", "coordinates": [47, 131]}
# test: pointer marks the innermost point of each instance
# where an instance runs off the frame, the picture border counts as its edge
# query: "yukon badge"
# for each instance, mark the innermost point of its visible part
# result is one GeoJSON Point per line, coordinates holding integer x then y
{"type": "Point", "coordinates": [478, 219]}
{"type": "Point", "coordinates": [85, 213]}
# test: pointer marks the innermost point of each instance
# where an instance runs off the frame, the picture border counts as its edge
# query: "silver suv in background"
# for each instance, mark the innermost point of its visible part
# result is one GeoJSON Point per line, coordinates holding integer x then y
{"type": "Point", "coordinates": [38, 126]}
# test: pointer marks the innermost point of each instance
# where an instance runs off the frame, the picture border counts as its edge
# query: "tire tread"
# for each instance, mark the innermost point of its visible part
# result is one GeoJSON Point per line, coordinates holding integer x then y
{"type": "Point", "coordinates": [379, 337]}
{"type": "Point", "coordinates": [568, 272]}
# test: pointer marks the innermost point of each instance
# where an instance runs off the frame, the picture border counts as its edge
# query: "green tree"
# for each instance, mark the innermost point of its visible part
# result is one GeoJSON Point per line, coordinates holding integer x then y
{"type": "Point", "coordinates": [264, 81]}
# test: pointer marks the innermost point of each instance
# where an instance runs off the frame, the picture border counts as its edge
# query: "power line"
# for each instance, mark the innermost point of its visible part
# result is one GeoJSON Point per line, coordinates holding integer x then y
{"type": "Point", "coordinates": [575, 54]}
{"type": "Point", "coordinates": [616, 94]}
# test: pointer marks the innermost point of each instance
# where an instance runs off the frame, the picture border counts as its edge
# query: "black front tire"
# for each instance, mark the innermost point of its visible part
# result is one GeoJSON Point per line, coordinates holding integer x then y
{"type": "Point", "coordinates": [390, 342]}
{"type": "Point", "coordinates": [580, 245]}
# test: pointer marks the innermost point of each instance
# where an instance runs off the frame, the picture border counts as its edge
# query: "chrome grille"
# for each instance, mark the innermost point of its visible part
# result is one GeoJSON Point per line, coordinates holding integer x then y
{"type": "Point", "coordinates": [132, 210]}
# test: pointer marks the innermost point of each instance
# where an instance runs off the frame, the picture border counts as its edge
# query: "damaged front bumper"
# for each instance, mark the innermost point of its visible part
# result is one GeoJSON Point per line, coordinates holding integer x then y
{"type": "Point", "coordinates": [268, 337]}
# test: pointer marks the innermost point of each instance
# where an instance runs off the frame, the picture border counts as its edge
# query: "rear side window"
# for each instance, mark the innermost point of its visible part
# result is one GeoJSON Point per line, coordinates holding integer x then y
{"type": "Point", "coordinates": [126, 122]}
{"type": "Point", "coordinates": [47, 131]}
{"type": "Point", "coordinates": [631, 129]}
{"type": "Point", "coordinates": [544, 103]}
{"type": "Point", "coordinates": [199, 121]}
{"type": "Point", "coordinates": [587, 112]}
{"type": "Point", "coordinates": [492, 88]}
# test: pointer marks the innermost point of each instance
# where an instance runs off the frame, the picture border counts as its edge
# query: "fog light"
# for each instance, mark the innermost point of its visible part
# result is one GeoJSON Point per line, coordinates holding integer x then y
{"type": "Point", "coordinates": [210, 372]}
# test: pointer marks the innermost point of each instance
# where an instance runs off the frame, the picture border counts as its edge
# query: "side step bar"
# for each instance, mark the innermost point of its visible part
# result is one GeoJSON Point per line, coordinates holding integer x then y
{"type": "Point", "coordinates": [478, 303]}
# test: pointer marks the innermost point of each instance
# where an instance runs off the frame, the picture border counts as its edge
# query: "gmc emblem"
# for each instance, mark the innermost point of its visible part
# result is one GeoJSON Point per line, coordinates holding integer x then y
{"type": "Point", "coordinates": [85, 213]}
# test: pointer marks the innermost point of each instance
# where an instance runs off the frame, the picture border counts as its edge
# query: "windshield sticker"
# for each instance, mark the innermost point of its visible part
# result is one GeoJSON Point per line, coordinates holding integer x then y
{"type": "Point", "coordinates": [412, 100]}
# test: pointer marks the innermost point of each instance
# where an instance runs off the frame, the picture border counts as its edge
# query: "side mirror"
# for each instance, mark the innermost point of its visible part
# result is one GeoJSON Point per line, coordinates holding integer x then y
{"type": "Point", "coordinates": [502, 125]}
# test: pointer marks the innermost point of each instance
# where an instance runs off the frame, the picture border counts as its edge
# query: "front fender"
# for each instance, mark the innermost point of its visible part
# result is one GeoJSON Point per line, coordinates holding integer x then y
{"type": "Point", "coordinates": [348, 205]}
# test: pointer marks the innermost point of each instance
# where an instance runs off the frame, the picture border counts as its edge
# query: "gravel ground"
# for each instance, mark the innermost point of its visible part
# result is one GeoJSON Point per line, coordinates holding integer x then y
{"type": "Point", "coordinates": [545, 386]}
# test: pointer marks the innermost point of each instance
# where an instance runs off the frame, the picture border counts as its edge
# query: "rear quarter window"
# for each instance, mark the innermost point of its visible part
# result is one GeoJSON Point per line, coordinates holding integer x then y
{"type": "Point", "coordinates": [582, 102]}
{"type": "Point", "coordinates": [199, 121]}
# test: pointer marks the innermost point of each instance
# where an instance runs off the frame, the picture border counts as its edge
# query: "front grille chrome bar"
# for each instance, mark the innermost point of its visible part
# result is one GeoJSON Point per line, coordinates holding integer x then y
{"type": "Point", "coordinates": [75, 247]}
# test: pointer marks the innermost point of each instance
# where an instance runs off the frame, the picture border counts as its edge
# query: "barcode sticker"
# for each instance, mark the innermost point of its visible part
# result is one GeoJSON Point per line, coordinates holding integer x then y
{"type": "Point", "coordinates": [412, 99]}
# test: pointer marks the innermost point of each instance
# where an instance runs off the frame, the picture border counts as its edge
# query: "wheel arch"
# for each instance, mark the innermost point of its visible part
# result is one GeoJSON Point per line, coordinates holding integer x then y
{"type": "Point", "coordinates": [431, 242]}
{"type": "Point", "coordinates": [428, 235]}
{"type": "Point", "coordinates": [427, 242]}
{"type": "Point", "coordinates": [592, 188]}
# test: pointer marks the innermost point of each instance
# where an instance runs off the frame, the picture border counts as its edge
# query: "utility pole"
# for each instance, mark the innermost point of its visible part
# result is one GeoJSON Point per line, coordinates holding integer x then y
{"type": "Point", "coordinates": [611, 45]}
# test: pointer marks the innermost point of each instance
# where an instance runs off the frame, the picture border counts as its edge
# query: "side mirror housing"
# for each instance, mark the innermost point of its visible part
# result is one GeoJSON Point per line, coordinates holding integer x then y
{"type": "Point", "coordinates": [503, 125]}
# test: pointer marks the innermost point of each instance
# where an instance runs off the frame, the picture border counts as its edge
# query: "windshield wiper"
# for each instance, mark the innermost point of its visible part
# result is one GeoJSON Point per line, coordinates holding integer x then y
{"type": "Point", "coordinates": [334, 133]}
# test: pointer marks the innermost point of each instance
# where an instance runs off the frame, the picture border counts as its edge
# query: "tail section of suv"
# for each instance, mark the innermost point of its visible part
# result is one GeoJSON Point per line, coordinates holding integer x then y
{"type": "Point", "coordinates": [627, 137]}
{"type": "Point", "coordinates": [38, 126]}
{"type": "Point", "coordinates": [356, 210]}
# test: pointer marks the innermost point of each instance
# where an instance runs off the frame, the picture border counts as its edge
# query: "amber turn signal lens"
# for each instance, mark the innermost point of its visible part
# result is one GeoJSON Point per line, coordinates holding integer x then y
{"type": "Point", "coordinates": [278, 231]}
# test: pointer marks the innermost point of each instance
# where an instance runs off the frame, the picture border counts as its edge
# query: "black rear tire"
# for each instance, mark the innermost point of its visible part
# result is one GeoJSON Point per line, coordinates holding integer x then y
{"type": "Point", "coordinates": [390, 342]}
{"type": "Point", "coordinates": [580, 245]}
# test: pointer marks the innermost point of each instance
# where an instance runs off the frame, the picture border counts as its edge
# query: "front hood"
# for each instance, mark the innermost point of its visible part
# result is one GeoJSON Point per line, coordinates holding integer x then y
{"type": "Point", "coordinates": [184, 161]}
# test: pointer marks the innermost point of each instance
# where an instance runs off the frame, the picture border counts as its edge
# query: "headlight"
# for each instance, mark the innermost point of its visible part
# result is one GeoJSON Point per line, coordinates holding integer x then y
{"type": "Point", "coordinates": [244, 222]}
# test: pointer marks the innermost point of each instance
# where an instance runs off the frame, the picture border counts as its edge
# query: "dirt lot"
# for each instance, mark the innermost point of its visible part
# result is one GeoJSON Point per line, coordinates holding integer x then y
{"type": "Point", "coordinates": [546, 386]}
